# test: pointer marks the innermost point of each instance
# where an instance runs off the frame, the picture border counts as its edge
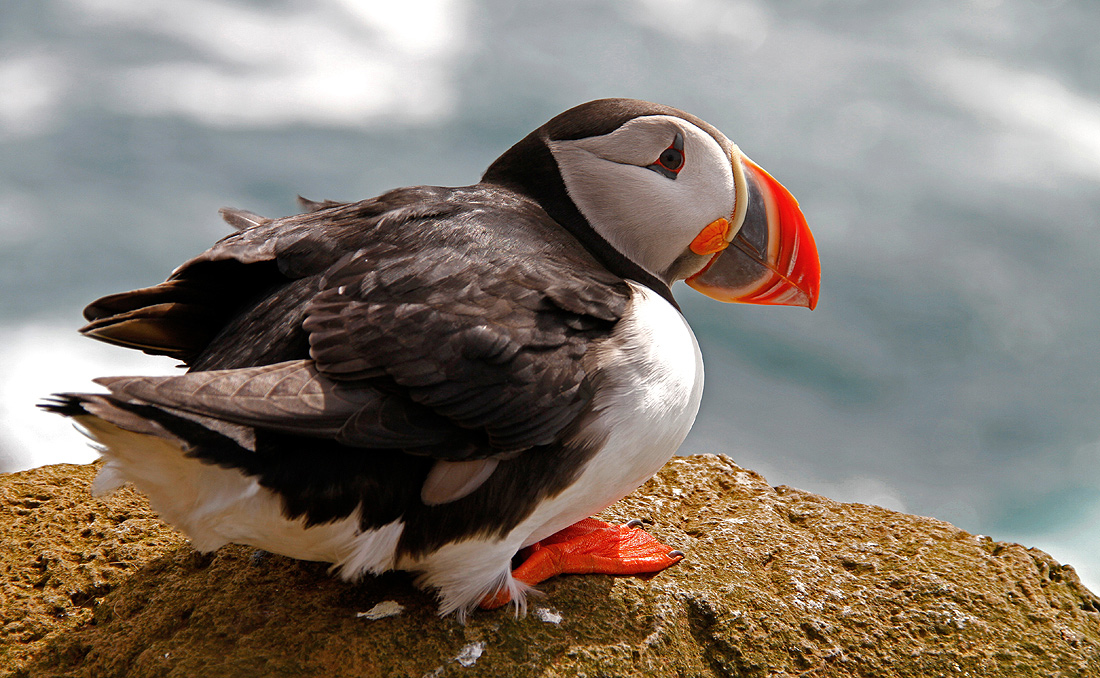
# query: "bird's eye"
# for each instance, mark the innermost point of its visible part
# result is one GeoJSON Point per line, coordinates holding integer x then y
{"type": "Point", "coordinates": [671, 160]}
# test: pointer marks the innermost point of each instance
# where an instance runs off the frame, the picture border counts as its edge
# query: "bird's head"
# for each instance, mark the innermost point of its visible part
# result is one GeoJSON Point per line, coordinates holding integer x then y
{"type": "Point", "coordinates": [649, 187]}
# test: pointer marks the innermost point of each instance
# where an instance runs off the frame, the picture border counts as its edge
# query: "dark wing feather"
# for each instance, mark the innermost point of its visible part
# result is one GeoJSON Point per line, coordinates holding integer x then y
{"type": "Point", "coordinates": [446, 322]}
{"type": "Point", "coordinates": [246, 280]}
{"type": "Point", "coordinates": [292, 397]}
{"type": "Point", "coordinates": [491, 340]}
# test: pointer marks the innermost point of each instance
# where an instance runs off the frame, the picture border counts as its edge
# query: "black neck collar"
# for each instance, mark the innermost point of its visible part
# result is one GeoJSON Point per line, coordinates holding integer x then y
{"type": "Point", "coordinates": [529, 168]}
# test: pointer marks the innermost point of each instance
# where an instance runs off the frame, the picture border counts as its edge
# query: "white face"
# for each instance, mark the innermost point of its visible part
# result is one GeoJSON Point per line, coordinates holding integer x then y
{"type": "Point", "coordinates": [648, 216]}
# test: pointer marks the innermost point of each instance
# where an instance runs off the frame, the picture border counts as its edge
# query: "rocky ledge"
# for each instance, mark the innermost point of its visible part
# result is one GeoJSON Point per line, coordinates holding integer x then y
{"type": "Point", "coordinates": [776, 582]}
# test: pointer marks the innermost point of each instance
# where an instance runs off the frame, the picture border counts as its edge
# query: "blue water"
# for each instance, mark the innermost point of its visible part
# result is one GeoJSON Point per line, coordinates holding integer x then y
{"type": "Point", "coordinates": [946, 154]}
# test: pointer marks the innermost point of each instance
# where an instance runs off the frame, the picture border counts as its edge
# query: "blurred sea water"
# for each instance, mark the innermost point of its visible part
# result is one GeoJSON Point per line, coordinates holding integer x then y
{"type": "Point", "coordinates": [946, 154]}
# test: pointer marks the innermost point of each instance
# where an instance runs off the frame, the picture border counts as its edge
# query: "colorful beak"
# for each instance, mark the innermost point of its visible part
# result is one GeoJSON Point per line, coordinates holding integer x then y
{"type": "Point", "coordinates": [773, 257]}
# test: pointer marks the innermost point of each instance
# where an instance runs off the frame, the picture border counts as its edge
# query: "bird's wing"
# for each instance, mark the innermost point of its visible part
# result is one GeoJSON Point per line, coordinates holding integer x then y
{"type": "Point", "coordinates": [292, 397]}
{"type": "Point", "coordinates": [491, 342]}
{"type": "Point", "coordinates": [450, 335]}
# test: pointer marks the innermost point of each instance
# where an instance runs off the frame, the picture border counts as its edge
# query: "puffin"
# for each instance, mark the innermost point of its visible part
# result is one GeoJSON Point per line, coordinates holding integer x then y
{"type": "Point", "coordinates": [449, 381]}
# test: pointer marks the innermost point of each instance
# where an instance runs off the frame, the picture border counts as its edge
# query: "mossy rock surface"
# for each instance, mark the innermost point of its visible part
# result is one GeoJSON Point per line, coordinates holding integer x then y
{"type": "Point", "coordinates": [776, 582]}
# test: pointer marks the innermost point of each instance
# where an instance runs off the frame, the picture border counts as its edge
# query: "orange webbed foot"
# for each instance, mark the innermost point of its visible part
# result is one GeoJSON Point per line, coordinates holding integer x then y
{"type": "Point", "coordinates": [590, 547]}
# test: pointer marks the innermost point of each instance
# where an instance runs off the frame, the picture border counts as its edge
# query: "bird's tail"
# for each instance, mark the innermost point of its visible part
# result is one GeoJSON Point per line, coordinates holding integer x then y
{"type": "Point", "coordinates": [155, 449]}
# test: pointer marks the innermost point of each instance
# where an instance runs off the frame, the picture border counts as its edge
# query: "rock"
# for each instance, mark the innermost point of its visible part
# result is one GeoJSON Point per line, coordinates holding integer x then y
{"type": "Point", "coordinates": [776, 582]}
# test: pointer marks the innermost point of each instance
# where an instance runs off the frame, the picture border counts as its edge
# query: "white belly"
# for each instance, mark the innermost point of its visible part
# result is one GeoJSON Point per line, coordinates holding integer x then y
{"type": "Point", "coordinates": [646, 404]}
{"type": "Point", "coordinates": [644, 408]}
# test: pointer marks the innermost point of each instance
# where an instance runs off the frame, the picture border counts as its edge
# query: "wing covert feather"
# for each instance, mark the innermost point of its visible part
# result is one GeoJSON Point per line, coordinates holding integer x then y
{"type": "Point", "coordinates": [476, 338]}
{"type": "Point", "coordinates": [446, 322]}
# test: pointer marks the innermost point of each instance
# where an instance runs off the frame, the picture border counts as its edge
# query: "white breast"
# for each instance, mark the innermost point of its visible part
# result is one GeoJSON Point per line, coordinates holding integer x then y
{"type": "Point", "coordinates": [649, 392]}
{"type": "Point", "coordinates": [649, 386]}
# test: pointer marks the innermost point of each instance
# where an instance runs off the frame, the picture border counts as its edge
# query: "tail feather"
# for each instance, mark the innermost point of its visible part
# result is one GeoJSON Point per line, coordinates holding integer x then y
{"type": "Point", "coordinates": [162, 452]}
{"type": "Point", "coordinates": [80, 406]}
{"type": "Point", "coordinates": [182, 315]}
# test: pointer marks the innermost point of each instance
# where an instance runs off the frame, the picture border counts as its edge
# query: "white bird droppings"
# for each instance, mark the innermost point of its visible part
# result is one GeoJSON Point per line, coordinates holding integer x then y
{"type": "Point", "coordinates": [470, 654]}
{"type": "Point", "coordinates": [547, 615]}
{"type": "Point", "coordinates": [387, 608]}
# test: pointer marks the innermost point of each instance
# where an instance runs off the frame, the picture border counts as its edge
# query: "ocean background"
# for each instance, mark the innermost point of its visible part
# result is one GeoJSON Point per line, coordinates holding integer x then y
{"type": "Point", "coordinates": [946, 154]}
